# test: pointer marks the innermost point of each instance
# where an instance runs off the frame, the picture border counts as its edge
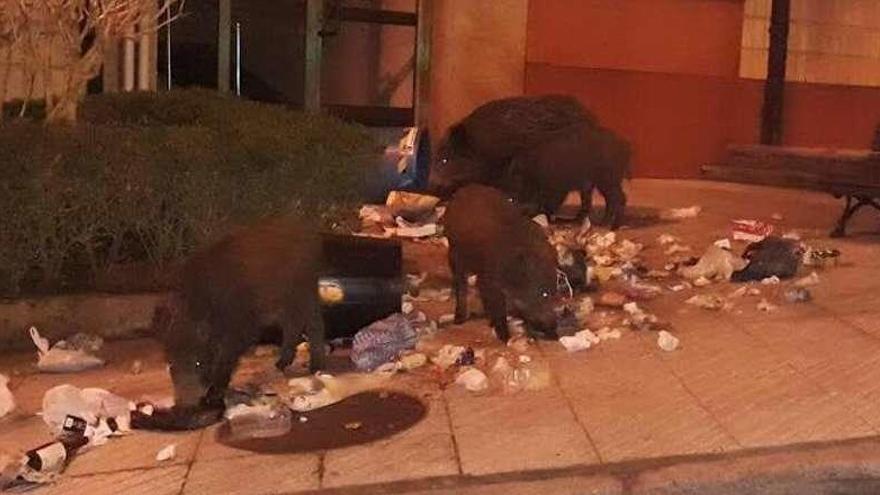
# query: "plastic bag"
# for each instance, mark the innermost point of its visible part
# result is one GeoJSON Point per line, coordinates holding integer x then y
{"type": "Point", "coordinates": [382, 341]}
{"type": "Point", "coordinates": [90, 404]}
{"type": "Point", "coordinates": [715, 263]}
{"type": "Point", "coordinates": [7, 400]}
{"type": "Point", "coordinates": [60, 360]}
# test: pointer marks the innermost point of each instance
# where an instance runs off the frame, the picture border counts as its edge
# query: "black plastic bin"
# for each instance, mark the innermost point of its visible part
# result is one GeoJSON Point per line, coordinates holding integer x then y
{"type": "Point", "coordinates": [368, 272]}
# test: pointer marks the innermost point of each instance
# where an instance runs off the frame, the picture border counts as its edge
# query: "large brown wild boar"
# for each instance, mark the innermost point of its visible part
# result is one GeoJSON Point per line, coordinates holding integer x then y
{"type": "Point", "coordinates": [479, 148]}
{"type": "Point", "coordinates": [579, 158]}
{"type": "Point", "coordinates": [514, 263]}
{"type": "Point", "coordinates": [257, 277]}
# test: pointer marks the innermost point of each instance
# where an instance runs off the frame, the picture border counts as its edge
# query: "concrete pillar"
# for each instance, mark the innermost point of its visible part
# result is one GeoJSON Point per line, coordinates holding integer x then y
{"type": "Point", "coordinates": [477, 54]}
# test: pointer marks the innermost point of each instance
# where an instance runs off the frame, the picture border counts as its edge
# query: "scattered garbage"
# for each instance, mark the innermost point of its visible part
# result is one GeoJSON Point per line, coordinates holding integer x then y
{"type": "Point", "coordinates": [676, 249]}
{"type": "Point", "coordinates": [664, 239]}
{"type": "Point", "coordinates": [353, 425]}
{"type": "Point", "coordinates": [716, 263]}
{"type": "Point", "coordinates": [777, 216]}
{"type": "Point", "coordinates": [411, 206]}
{"type": "Point", "coordinates": [751, 230]}
{"type": "Point", "coordinates": [681, 213]}
{"type": "Point", "coordinates": [404, 214]}
{"type": "Point", "coordinates": [382, 342]}
{"type": "Point", "coordinates": [466, 358]}
{"type": "Point", "coordinates": [820, 257]}
{"type": "Point", "coordinates": [811, 279]}
{"type": "Point", "coordinates": [473, 380]}
{"type": "Point", "coordinates": [519, 344]}
{"type": "Point", "coordinates": [411, 230]}
{"type": "Point", "coordinates": [765, 306]}
{"type": "Point", "coordinates": [446, 319]}
{"type": "Point", "coordinates": [609, 334]}
{"type": "Point", "coordinates": [611, 299]}
{"type": "Point", "coordinates": [447, 356]}
{"type": "Point", "coordinates": [90, 404]}
{"type": "Point", "coordinates": [773, 256]}
{"type": "Point", "coordinates": [7, 400]}
{"type": "Point", "coordinates": [580, 341]}
{"type": "Point", "coordinates": [261, 420]}
{"type": "Point", "coordinates": [723, 243]}
{"type": "Point", "coordinates": [167, 453]}
{"type": "Point", "coordinates": [412, 360]}
{"type": "Point", "coordinates": [638, 318]}
{"type": "Point", "coordinates": [707, 301]}
{"type": "Point", "coordinates": [798, 295]}
{"type": "Point", "coordinates": [62, 358]}
{"type": "Point", "coordinates": [47, 461]}
{"type": "Point", "coordinates": [542, 221]}
{"type": "Point", "coordinates": [137, 366]}
{"type": "Point", "coordinates": [667, 341]}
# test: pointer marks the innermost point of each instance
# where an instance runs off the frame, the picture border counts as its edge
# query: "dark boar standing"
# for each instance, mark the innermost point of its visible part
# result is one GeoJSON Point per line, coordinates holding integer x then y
{"type": "Point", "coordinates": [479, 148]}
{"type": "Point", "coordinates": [261, 276]}
{"type": "Point", "coordinates": [578, 158]}
{"type": "Point", "coordinates": [514, 263]}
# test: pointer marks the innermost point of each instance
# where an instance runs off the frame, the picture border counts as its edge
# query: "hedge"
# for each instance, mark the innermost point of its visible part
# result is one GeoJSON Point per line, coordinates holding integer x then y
{"type": "Point", "coordinates": [146, 177]}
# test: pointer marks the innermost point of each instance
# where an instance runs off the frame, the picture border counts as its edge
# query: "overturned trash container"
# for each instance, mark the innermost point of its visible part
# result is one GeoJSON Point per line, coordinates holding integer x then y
{"type": "Point", "coordinates": [405, 164]}
{"type": "Point", "coordinates": [361, 282]}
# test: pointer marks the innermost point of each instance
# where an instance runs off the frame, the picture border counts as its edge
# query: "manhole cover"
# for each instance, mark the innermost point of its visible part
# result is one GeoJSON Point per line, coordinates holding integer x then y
{"type": "Point", "coordinates": [359, 419]}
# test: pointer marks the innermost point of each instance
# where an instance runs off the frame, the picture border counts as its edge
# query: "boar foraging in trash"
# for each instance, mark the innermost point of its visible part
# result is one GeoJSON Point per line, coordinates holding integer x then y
{"type": "Point", "coordinates": [261, 276]}
{"type": "Point", "coordinates": [577, 158]}
{"type": "Point", "coordinates": [480, 147]}
{"type": "Point", "coordinates": [514, 263]}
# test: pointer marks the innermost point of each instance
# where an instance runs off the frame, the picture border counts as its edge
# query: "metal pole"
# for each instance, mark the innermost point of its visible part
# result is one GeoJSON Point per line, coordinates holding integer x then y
{"type": "Point", "coordinates": [238, 58]}
{"type": "Point", "coordinates": [224, 30]}
{"type": "Point", "coordinates": [774, 90]}
{"type": "Point", "coordinates": [312, 82]}
{"type": "Point", "coordinates": [168, 52]}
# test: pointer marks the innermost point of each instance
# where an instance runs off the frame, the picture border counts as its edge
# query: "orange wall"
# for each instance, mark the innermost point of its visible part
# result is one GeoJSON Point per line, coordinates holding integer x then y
{"type": "Point", "coordinates": [664, 73]}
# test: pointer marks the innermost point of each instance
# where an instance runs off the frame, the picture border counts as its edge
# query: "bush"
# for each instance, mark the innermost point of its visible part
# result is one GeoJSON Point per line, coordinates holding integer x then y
{"type": "Point", "coordinates": [146, 177]}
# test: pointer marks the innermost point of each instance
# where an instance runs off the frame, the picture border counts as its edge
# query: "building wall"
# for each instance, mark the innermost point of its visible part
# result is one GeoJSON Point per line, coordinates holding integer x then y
{"type": "Point", "coordinates": [665, 73]}
{"type": "Point", "coordinates": [477, 55]}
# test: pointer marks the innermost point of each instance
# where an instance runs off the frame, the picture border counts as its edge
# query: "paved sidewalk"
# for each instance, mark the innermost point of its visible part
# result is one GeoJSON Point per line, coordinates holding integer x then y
{"type": "Point", "coordinates": [778, 397]}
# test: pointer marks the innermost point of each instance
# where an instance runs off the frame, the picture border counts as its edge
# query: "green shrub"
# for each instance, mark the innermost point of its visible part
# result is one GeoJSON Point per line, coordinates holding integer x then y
{"type": "Point", "coordinates": [145, 177]}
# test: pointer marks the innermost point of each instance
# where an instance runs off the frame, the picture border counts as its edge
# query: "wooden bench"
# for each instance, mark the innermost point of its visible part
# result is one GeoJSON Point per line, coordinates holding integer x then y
{"type": "Point", "coordinates": [850, 174]}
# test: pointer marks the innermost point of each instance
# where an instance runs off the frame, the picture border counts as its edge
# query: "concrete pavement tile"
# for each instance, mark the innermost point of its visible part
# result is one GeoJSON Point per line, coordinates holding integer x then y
{"type": "Point", "coordinates": [137, 450]}
{"type": "Point", "coordinates": [638, 409]}
{"type": "Point", "coordinates": [401, 457]}
{"type": "Point", "coordinates": [424, 450]}
{"type": "Point", "coordinates": [157, 481]}
{"type": "Point", "coordinates": [254, 474]}
{"type": "Point", "coordinates": [528, 430]}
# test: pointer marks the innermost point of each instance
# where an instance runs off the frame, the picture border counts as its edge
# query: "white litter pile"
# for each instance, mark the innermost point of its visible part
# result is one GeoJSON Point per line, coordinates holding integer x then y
{"type": "Point", "coordinates": [404, 214]}
{"type": "Point", "coordinates": [67, 356]}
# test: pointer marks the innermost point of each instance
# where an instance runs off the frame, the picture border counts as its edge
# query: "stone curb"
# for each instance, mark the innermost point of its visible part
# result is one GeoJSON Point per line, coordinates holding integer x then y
{"type": "Point", "coordinates": [111, 316]}
{"type": "Point", "coordinates": [841, 467]}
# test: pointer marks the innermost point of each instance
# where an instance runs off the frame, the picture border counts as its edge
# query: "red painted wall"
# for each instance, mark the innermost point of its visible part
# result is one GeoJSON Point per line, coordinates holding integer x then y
{"type": "Point", "coordinates": [664, 73]}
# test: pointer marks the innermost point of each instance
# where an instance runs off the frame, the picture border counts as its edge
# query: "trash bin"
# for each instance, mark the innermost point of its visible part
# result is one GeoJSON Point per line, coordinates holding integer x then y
{"type": "Point", "coordinates": [366, 277]}
{"type": "Point", "coordinates": [405, 164]}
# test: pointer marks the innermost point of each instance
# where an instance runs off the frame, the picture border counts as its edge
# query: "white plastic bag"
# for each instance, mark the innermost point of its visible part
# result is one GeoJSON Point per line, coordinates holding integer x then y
{"type": "Point", "coordinates": [57, 360]}
{"type": "Point", "coordinates": [90, 404]}
{"type": "Point", "coordinates": [7, 401]}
